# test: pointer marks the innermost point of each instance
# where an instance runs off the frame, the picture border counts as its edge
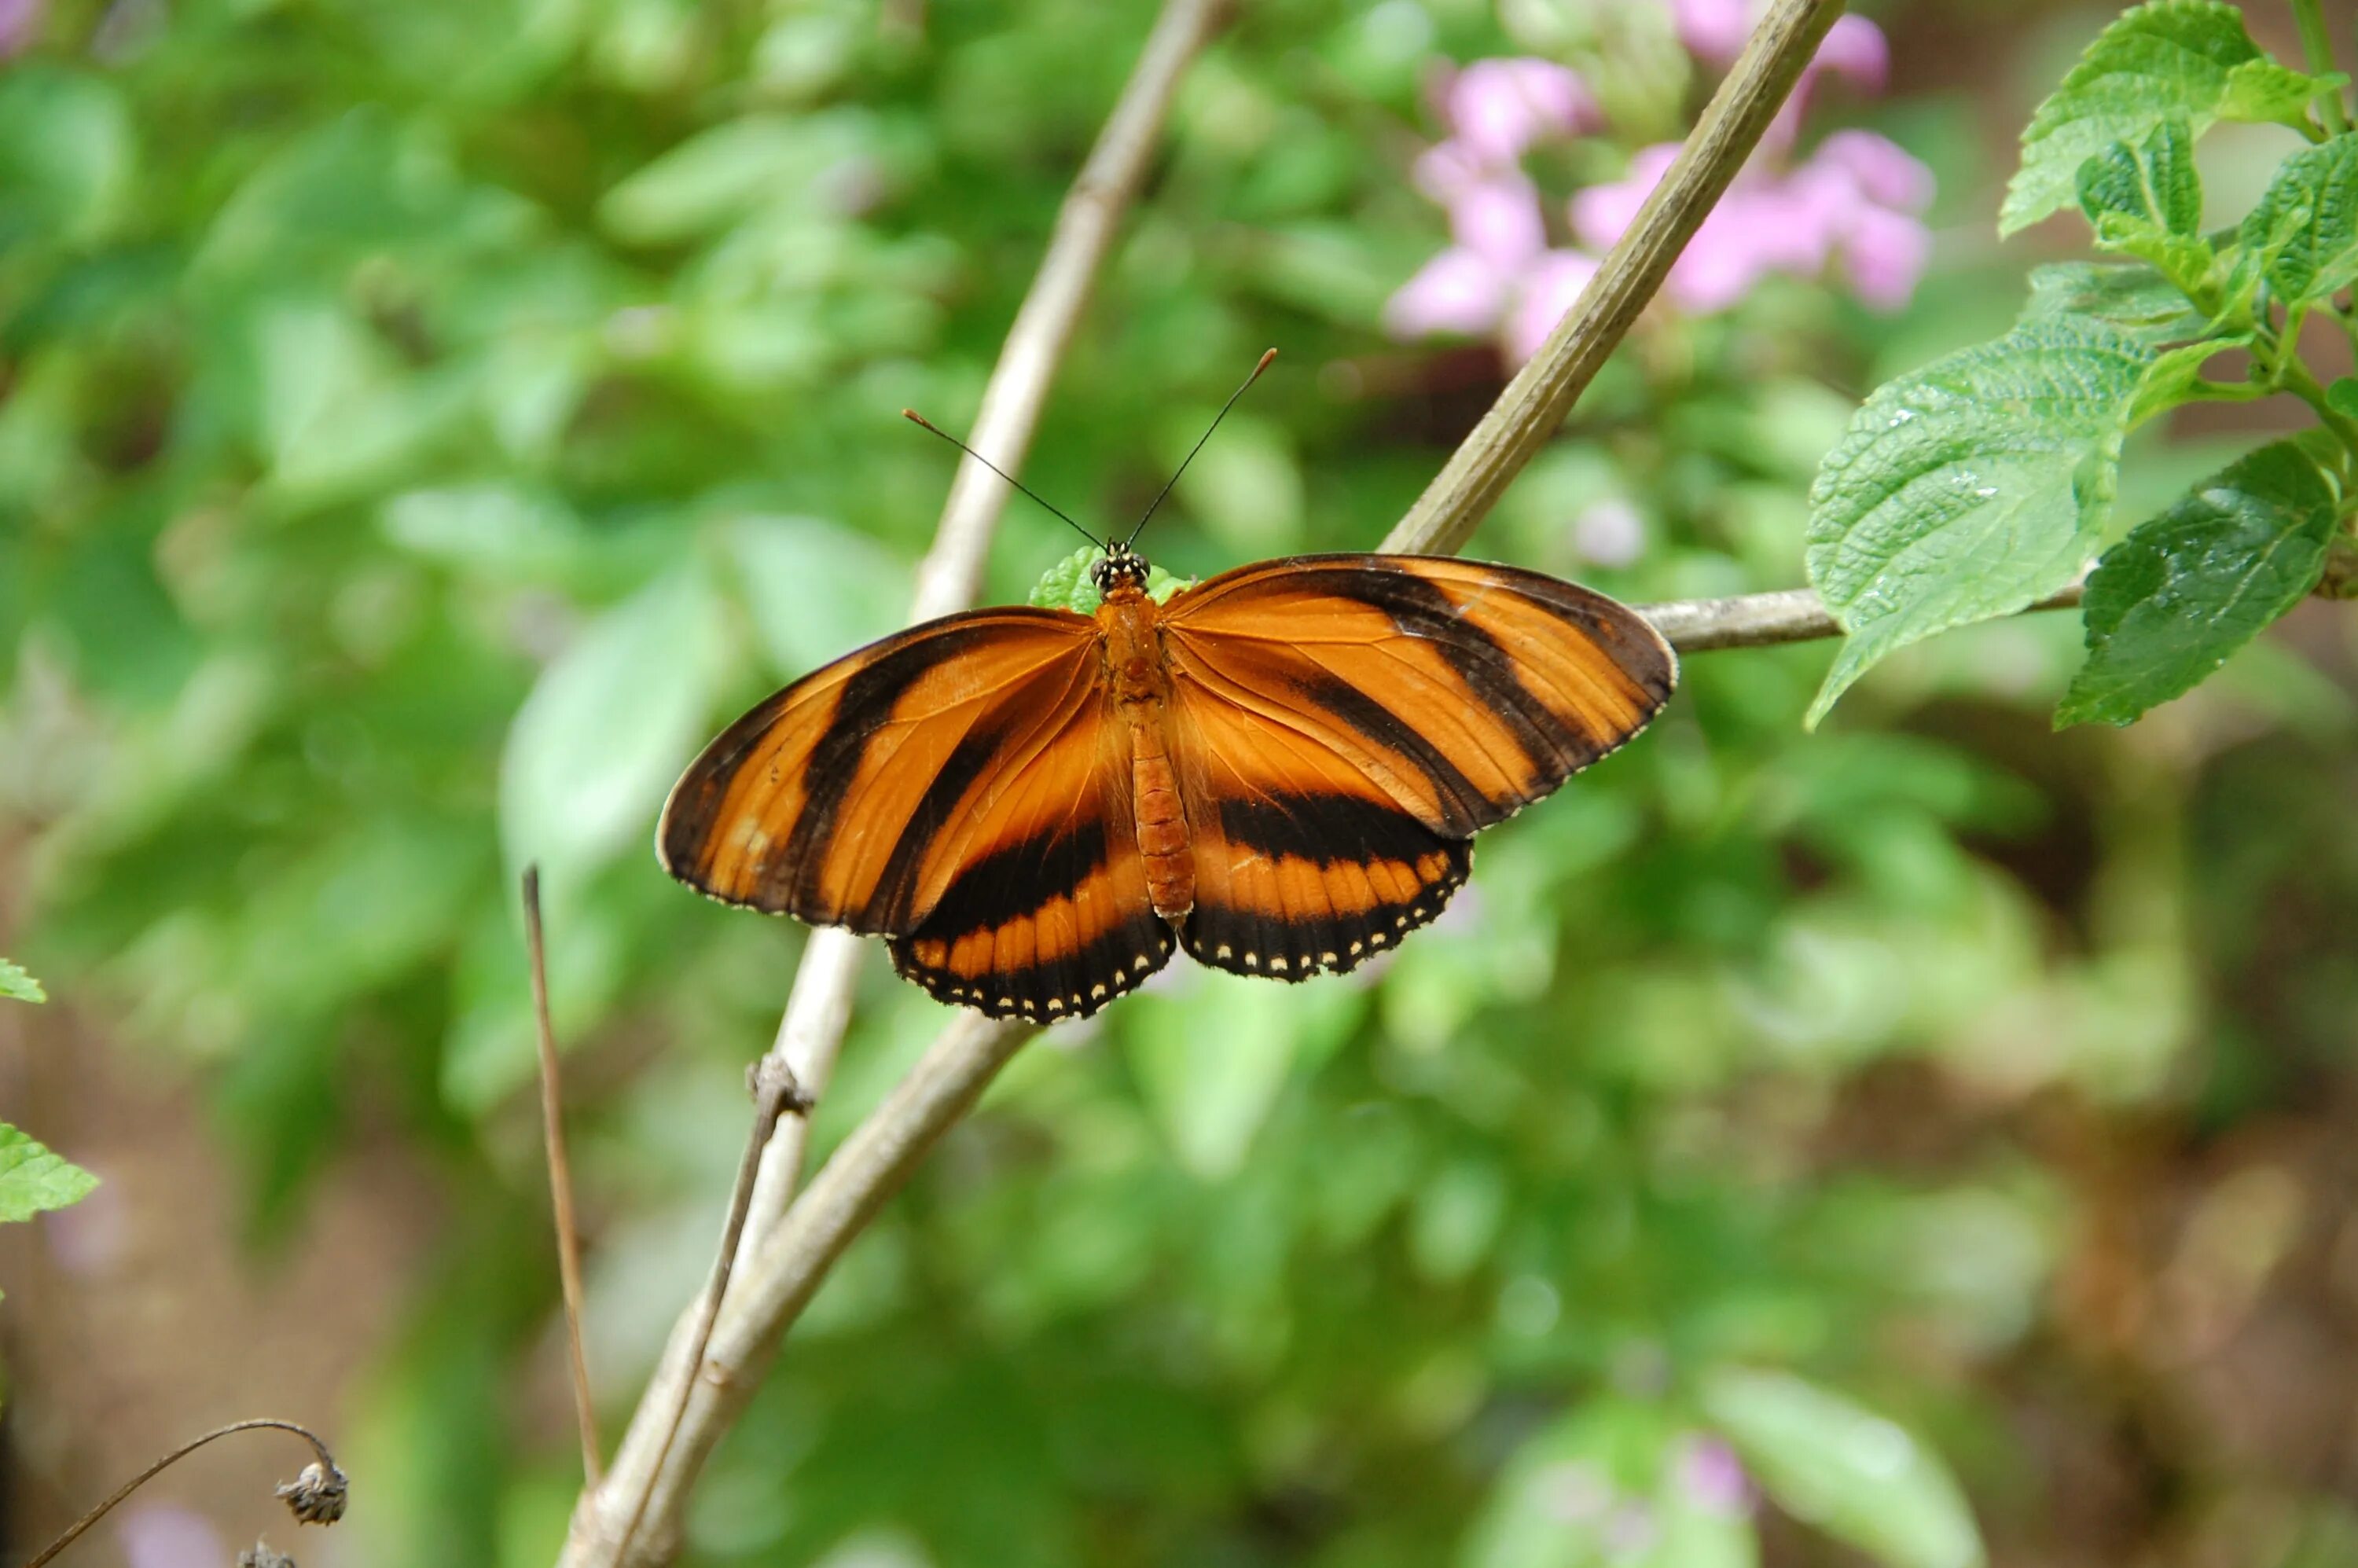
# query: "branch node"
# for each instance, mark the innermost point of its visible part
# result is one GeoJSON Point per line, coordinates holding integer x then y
{"type": "Point", "coordinates": [776, 1090]}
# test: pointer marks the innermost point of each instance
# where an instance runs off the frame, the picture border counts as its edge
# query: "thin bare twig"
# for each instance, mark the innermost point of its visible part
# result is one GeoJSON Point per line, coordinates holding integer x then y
{"type": "Point", "coordinates": [560, 1180]}
{"type": "Point", "coordinates": [662, 1450]}
{"type": "Point", "coordinates": [318, 1494]}
{"type": "Point", "coordinates": [775, 1095]}
{"type": "Point", "coordinates": [1529, 413]}
{"type": "Point", "coordinates": [1763, 619]}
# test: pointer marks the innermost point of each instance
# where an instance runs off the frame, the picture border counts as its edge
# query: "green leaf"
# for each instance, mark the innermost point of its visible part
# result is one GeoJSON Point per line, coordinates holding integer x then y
{"type": "Point", "coordinates": [2262, 93]}
{"type": "Point", "coordinates": [2305, 227]}
{"type": "Point", "coordinates": [2174, 373]}
{"type": "Point", "coordinates": [17, 984]}
{"type": "Point", "coordinates": [2153, 181]}
{"type": "Point", "coordinates": [609, 724]}
{"type": "Point", "coordinates": [2171, 602]}
{"type": "Point", "coordinates": [32, 1179]}
{"type": "Point", "coordinates": [720, 175]}
{"type": "Point", "coordinates": [2184, 59]}
{"type": "Point", "coordinates": [2129, 295]}
{"type": "Point", "coordinates": [1851, 1473]}
{"type": "Point", "coordinates": [1212, 1062]}
{"type": "Point", "coordinates": [1067, 585]}
{"type": "Point", "coordinates": [69, 154]}
{"type": "Point", "coordinates": [1972, 487]}
{"type": "Point", "coordinates": [2342, 397]}
{"type": "Point", "coordinates": [2145, 200]}
{"type": "Point", "coordinates": [817, 590]}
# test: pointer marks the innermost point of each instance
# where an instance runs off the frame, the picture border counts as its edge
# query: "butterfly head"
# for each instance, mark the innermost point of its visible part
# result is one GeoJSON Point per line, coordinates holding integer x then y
{"type": "Point", "coordinates": [1121, 565]}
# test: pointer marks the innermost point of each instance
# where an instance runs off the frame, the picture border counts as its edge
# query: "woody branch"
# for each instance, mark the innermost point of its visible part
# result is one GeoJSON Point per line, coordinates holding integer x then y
{"type": "Point", "coordinates": [632, 1516]}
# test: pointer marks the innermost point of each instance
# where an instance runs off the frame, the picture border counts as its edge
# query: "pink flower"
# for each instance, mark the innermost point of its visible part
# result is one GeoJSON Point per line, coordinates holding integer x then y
{"type": "Point", "coordinates": [1713, 1477]}
{"type": "Point", "coordinates": [1501, 108]}
{"type": "Point", "coordinates": [1455, 292]}
{"type": "Point", "coordinates": [1466, 289]}
{"type": "Point", "coordinates": [1499, 220]}
{"type": "Point", "coordinates": [1445, 169]}
{"type": "Point", "coordinates": [1713, 30]}
{"type": "Point", "coordinates": [1609, 533]}
{"type": "Point", "coordinates": [1856, 50]}
{"type": "Point", "coordinates": [1499, 276]}
{"type": "Point", "coordinates": [1854, 199]}
{"type": "Point", "coordinates": [1883, 170]}
{"type": "Point", "coordinates": [1716, 31]}
{"type": "Point", "coordinates": [1601, 212]}
{"type": "Point", "coordinates": [1884, 255]}
{"type": "Point", "coordinates": [1549, 289]}
{"type": "Point", "coordinates": [20, 26]}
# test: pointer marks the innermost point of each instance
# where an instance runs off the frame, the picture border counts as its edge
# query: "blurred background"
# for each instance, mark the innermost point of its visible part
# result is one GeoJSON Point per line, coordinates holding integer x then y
{"type": "Point", "coordinates": [422, 424]}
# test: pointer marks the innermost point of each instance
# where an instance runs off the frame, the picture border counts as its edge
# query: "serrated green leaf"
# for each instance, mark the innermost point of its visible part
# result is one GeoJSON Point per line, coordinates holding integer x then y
{"type": "Point", "coordinates": [2261, 92]}
{"type": "Point", "coordinates": [2145, 200]}
{"type": "Point", "coordinates": [2185, 260]}
{"type": "Point", "coordinates": [1972, 487]}
{"type": "Point", "coordinates": [16, 984]}
{"type": "Point", "coordinates": [2130, 296]}
{"type": "Point", "coordinates": [2174, 373]}
{"type": "Point", "coordinates": [2342, 397]}
{"type": "Point", "coordinates": [2152, 182]}
{"type": "Point", "coordinates": [1835, 1465]}
{"type": "Point", "coordinates": [2185, 59]}
{"type": "Point", "coordinates": [1066, 585]}
{"type": "Point", "coordinates": [2304, 229]}
{"type": "Point", "coordinates": [2171, 602]}
{"type": "Point", "coordinates": [32, 1179]}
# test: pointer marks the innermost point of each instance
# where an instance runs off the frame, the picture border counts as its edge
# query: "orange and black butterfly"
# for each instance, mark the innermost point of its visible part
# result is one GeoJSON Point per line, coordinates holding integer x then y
{"type": "Point", "coordinates": [1280, 769]}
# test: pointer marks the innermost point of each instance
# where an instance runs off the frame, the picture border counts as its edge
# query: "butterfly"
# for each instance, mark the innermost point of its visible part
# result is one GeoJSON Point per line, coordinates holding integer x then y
{"type": "Point", "coordinates": [1280, 769]}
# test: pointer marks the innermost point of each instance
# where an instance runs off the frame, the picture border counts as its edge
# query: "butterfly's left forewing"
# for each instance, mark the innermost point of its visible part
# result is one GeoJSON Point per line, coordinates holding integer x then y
{"type": "Point", "coordinates": [956, 787]}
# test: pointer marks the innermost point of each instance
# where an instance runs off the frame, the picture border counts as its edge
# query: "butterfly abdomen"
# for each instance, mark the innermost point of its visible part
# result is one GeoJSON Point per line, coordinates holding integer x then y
{"type": "Point", "coordinates": [1141, 684]}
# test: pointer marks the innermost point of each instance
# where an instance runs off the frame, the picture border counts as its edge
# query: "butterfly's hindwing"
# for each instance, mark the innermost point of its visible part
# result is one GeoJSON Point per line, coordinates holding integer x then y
{"type": "Point", "coordinates": [1044, 913]}
{"type": "Point", "coordinates": [1302, 863]}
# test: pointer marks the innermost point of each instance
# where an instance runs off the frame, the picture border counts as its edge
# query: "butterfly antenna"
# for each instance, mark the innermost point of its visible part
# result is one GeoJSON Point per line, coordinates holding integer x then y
{"type": "Point", "coordinates": [914, 417]}
{"type": "Point", "coordinates": [1231, 403]}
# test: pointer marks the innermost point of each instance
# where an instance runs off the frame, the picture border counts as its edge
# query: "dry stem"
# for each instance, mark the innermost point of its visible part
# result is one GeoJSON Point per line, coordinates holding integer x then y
{"type": "Point", "coordinates": [329, 1486]}
{"type": "Point", "coordinates": [560, 1180]}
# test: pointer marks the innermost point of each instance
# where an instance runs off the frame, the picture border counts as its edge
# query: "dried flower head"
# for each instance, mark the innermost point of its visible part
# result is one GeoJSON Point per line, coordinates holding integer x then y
{"type": "Point", "coordinates": [260, 1555]}
{"type": "Point", "coordinates": [317, 1495]}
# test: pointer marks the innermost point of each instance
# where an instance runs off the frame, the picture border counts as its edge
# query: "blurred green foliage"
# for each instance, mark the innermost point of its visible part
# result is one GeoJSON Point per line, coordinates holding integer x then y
{"type": "Point", "coordinates": [424, 423]}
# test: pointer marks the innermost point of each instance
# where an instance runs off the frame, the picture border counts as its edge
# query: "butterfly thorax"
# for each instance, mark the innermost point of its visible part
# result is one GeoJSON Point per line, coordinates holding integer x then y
{"type": "Point", "coordinates": [1140, 683]}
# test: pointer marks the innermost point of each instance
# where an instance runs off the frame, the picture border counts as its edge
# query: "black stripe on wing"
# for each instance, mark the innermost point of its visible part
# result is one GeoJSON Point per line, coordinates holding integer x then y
{"type": "Point", "coordinates": [1064, 939]}
{"type": "Point", "coordinates": [1318, 883]}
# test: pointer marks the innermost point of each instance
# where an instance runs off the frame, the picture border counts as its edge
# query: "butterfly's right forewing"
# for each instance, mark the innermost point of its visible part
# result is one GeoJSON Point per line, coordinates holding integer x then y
{"type": "Point", "coordinates": [1347, 723]}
